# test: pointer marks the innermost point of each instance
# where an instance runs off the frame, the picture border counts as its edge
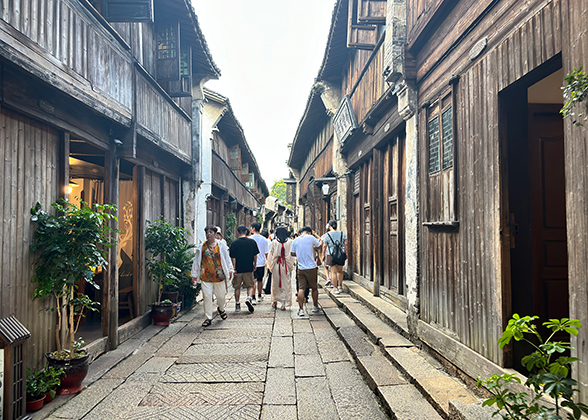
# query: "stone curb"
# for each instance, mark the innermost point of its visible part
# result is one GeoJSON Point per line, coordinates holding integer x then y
{"type": "Point", "coordinates": [397, 354]}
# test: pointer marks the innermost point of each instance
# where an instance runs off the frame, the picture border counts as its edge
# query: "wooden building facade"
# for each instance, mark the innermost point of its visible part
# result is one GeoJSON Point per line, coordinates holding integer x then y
{"type": "Point", "coordinates": [464, 190]}
{"type": "Point", "coordinates": [502, 176]}
{"type": "Point", "coordinates": [231, 180]}
{"type": "Point", "coordinates": [97, 105]}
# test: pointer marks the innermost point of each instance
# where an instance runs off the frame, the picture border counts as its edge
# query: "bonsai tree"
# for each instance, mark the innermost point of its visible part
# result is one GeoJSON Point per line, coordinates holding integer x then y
{"type": "Point", "coordinates": [167, 259]}
{"type": "Point", "coordinates": [70, 246]}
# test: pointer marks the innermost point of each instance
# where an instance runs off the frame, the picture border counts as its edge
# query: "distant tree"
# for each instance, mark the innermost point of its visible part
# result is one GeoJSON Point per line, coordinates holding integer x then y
{"type": "Point", "coordinates": [279, 191]}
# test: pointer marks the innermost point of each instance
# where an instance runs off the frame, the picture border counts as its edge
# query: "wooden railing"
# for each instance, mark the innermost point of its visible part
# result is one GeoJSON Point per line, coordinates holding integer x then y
{"type": "Point", "coordinates": [371, 85]}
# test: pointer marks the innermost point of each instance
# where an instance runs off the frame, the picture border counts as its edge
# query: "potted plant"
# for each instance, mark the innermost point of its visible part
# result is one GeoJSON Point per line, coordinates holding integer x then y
{"type": "Point", "coordinates": [183, 258]}
{"type": "Point", "coordinates": [51, 378]}
{"type": "Point", "coordinates": [163, 241]}
{"type": "Point", "coordinates": [70, 245]}
{"type": "Point", "coordinates": [35, 391]}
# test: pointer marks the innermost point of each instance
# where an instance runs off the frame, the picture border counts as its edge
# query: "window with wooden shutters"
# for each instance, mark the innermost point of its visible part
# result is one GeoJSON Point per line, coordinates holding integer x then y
{"type": "Point", "coordinates": [441, 148]}
{"type": "Point", "coordinates": [364, 18]}
{"type": "Point", "coordinates": [126, 11]}
{"type": "Point", "coordinates": [168, 52]}
{"type": "Point", "coordinates": [371, 11]}
{"type": "Point", "coordinates": [183, 87]}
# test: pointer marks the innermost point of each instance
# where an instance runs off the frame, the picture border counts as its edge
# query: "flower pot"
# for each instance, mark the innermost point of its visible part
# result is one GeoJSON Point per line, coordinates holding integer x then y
{"type": "Point", "coordinates": [161, 314]}
{"type": "Point", "coordinates": [35, 405]}
{"type": "Point", "coordinates": [173, 296]}
{"type": "Point", "coordinates": [75, 372]}
{"type": "Point", "coordinates": [49, 395]}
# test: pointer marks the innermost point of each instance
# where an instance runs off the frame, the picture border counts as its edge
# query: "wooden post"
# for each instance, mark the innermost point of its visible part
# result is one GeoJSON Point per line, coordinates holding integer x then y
{"type": "Point", "coordinates": [110, 292]}
{"type": "Point", "coordinates": [376, 222]}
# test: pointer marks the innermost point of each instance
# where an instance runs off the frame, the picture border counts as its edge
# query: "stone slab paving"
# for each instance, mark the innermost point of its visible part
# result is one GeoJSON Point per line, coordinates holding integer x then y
{"type": "Point", "coordinates": [271, 364]}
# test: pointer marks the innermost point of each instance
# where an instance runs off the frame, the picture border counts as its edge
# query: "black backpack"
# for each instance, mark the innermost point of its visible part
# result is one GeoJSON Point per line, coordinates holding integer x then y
{"type": "Point", "coordinates": [338, 255]}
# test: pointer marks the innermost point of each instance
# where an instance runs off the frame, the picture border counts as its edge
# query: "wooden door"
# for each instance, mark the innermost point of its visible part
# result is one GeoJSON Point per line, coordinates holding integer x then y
{"type": "Point", "coordinates": [393, 217]}
{"type": "Point", "coordinates": [548, 212]}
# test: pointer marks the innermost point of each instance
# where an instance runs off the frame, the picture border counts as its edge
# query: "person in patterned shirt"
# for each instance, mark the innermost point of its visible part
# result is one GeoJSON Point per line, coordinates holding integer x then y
{"type": "Point", "coordinates": [212, 268]}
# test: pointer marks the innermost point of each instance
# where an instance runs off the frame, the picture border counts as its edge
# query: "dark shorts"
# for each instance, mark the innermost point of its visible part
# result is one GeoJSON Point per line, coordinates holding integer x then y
{"type": "Point", "coordinates": [330, 263]}
{"type": "Point", "coordinates": [258, 273]}
{"type": "Point", "coordinates": [243, 280]}
{"type": "Point", "coordinates": [307, 278]}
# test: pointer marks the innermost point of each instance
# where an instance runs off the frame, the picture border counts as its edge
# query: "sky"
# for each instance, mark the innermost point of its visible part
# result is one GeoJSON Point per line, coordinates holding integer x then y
{"type": "Point", "coordinates": [269, 53]}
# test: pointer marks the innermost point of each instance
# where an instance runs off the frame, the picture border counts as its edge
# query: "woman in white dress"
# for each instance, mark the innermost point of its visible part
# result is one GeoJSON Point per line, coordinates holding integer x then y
{"type": "Point", "coordinates": [281, 263]}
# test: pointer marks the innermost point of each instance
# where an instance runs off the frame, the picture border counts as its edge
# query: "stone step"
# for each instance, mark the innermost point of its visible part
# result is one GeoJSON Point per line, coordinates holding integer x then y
{"type": "Point", "coordinates": [391, 364]}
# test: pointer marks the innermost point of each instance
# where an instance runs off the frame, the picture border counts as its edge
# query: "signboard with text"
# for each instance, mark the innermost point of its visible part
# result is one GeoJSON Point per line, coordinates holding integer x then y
{"type": "Point", "coordinates": [290, 193]}
{"type": "Point", "coordinates": [344, 121]}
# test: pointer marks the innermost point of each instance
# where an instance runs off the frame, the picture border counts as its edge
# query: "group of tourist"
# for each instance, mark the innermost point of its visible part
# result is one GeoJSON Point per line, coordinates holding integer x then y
{"type": "Point", "coordinates": [244, 264]}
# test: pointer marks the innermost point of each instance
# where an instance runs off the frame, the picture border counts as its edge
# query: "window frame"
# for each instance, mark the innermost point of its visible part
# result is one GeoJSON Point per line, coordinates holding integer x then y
{"type": "Point", "coordinates": [435, 110]}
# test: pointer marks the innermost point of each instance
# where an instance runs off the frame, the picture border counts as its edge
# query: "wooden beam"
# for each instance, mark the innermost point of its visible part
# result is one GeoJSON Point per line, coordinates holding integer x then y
{"type": "Point", "coordinates": [110, 292]}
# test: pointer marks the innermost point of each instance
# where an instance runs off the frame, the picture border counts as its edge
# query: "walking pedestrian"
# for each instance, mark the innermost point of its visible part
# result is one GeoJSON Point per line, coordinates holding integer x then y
{"type": "Point", "coordinates": [263, 246]}
{"type": "Point", "coordinates": [244, 254]}
{"type": "Point", "coordinates": [303, 248]}
{"type": "Point", "coordinates": [219, 236]}
{"type": "Point", "coordinates": [211, 268]}
{"type": "Point", "coordinates": [332, 238]}
{"type": "Point", "coordinates": [328, 282]}
{"type": "Point", "coordinates": [280, 264]}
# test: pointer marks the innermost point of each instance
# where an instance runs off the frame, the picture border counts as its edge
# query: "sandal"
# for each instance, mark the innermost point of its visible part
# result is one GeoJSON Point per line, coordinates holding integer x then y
{"type": "Point", "coordinates": [207, 323]}
{"type": "Point", "coordinates": [283, 308]}
{"type": "Point", "coordinates": [222, 314]}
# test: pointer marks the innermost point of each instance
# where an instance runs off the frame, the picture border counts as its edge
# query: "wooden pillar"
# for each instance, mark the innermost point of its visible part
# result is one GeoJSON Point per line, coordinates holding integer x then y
{"type": "Point", "coordinates": [377, 219]}
{"type": "Point", "coordinates": [63, 181]}
{"type": "Point", "coordinates": [110, 291]}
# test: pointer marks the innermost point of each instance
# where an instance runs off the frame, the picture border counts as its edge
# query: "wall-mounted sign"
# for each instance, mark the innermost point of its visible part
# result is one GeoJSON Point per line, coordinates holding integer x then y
{"type": "Point", "coordinates": [478, 48]}
{"type": "Point", "coordinates": [290, 193]}
{"type": "Point", "coordinates": [344, 121]}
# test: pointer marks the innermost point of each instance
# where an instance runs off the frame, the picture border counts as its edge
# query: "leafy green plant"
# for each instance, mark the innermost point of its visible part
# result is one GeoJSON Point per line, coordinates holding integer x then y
{"type": "Point", "coordinates": [70, 246]}
{"type": "Point", "coordinates": [548, 375]}
{"type": "Point", "coordinates": [575, 92]}
{"type": "Point", "coordinates": [183, 259]}
{"type": "Point", "coordinates": [231, 224]}
{"type": "Point", "coordinates": [51, 378]}
{"type": "Point", "coordinates": [165, 243]}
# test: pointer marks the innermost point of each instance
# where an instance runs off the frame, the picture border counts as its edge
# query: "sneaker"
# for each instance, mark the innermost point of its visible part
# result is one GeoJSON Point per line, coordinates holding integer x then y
{"type": "Point", "coordinates": [254, 301]}
{"type": "Point", "coordinates": [260, 298]}
{"type": "Point", "coordinates": [237, 306]}
{"type": "Point", "coordinates": [315, 309]}
{"type": "Point", "coordinates": [340, 289]}
{"type": "Point", "coordinates": [328, 283]}
{"type": "Point", "coordinates": [301, 312]}
{"type": "Point", "coordinates": [336, 291]}
{"type": "Point", "coordinates": [249, 303]}
{"type": "Point", "coordinates": [330, 286]}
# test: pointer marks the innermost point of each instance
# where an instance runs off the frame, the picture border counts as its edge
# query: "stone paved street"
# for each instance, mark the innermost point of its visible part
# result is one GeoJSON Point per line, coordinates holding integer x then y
{"type": "Point", "coordinates": [265, 365]}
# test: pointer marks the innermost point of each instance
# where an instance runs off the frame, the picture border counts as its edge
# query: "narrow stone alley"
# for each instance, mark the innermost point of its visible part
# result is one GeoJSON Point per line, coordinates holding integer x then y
{"type": "Point", "coordinates": [269, 365]}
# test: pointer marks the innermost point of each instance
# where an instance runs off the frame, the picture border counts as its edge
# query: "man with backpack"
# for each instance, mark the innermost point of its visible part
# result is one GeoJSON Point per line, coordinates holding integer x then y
{"type": "Point", "coordinates": [335, 243]}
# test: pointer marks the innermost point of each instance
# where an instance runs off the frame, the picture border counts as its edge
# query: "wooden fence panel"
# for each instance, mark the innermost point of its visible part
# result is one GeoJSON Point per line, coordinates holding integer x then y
{"type": "Point", "coordinates": [29, 159]}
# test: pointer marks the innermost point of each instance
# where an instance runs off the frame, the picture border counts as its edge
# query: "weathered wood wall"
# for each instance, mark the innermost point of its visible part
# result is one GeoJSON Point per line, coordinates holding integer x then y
{"type": "Point", "coordinates": [224, 178]}
{"type": "Point", "coordinates": [364, 82]}
{"type": "Point", "coordinates": [462, 287]}
{"type": "Point", "coordinates": [29, 166]}
{"type": "Point", "coordinates": [158, 118]}
{"type": "Point", "coordinates": [159, 198]}
{"type": "Point", "coordinates": [66, 48]}
{"type": "Point", "coordinates": [324, 135]}
{"type": "Point", "coordinates": [575, 54]}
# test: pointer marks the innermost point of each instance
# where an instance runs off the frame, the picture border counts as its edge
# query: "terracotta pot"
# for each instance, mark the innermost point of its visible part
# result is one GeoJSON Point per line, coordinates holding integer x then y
{"type": "Point", "coordinates": [49, 395]}
{"type": "Point", "coordinates": [35, 405]}
{"type": "Point", "coordinates": [161, 314]}
{"type": "Point", "coordinates": [75, 372]}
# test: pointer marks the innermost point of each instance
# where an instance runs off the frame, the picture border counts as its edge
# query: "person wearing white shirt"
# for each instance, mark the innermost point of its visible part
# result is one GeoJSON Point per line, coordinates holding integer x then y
{"type": "Point", "coordinates": [303, 248]}
{"type": "Point", "coordinates": [263, 246]}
